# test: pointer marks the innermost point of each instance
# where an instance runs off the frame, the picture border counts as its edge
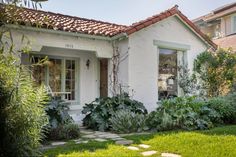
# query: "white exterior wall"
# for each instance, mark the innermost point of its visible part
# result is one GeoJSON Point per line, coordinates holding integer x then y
{"type": "Point", "coordinates": [138, 57]}
{"type": "Point", "coordinates": [39, 39]}
{"type": "Point", "coordinates": [143, 56]}
{"type": "Point", "coordinates": [81, 49]}
{"type": "Point", "coordinates": [123, 74]}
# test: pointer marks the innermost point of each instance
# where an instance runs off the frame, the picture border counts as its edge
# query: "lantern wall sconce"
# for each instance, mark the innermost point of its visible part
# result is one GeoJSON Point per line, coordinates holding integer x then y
{"type": "Point", "coordinates": [88, 63]}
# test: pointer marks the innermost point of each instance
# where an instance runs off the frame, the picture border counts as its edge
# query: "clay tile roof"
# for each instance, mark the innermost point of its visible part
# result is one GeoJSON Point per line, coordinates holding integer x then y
{"type": "Point", "coordinates": [217, 13]}
{"type": "Point", "coordinates": [68, 23]}
{"type": "Point", "coordinates": [159, 17]}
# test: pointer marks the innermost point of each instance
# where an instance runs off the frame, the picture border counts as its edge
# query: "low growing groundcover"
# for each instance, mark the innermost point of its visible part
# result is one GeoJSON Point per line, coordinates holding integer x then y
{"type": "Point", "coordinates": [217, 142]}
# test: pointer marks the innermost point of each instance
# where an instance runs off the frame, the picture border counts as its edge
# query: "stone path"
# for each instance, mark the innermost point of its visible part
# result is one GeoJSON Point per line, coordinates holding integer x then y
{"type": "Point", "coordinates": [150, 152]}
{"type": "Point", "coordinates": [88, 135]}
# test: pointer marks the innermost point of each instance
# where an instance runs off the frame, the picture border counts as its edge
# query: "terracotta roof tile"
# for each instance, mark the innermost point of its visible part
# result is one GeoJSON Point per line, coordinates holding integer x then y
{"type": "Point", "coordinates": [67, 23]}
{"type": "Point", "coordinates": [56, 21]}
{"type": "Point", "coordinates": [227, 42]}
{"type": "Point", "coordinates": [156, 18]}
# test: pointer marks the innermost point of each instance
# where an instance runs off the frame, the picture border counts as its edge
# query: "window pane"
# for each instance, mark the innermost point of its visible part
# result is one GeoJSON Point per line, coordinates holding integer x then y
{"type": "Point", "coordinates": [167, 79]}
{"type": "Point", "coordinates": [55, 74]}
{"type": "Point", "coordinates": [38, 71]}
{"type": "Point", "coordinates": [234, 24]}
{"type": "Point", "coordinates": [70, 79]}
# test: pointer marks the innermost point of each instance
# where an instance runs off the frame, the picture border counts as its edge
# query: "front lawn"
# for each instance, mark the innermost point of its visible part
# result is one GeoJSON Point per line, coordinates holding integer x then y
{"type": "Point", "coordinates": [218, 142]}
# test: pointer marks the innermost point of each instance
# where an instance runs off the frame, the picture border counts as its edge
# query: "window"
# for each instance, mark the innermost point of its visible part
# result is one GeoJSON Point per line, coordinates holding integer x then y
{"type": "Point", "coordinates": [167, 79]}
{"type": "Point", "coordinates": [233, 25]}
{"type": "Point", "coordinates": [70, 79]}
{"type": "Point", "coordinates": [55, 74]}
{"type": "Point", "coordinates": [58, 74]}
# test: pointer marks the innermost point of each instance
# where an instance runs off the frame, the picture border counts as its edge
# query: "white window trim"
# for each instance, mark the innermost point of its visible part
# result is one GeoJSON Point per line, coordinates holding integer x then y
{"type": "Point", "coordinates": [77, 73]}
{"type": "Point", "coordinates": [181, 49]}
{"type": "Point", "coordinates": [233, 27]}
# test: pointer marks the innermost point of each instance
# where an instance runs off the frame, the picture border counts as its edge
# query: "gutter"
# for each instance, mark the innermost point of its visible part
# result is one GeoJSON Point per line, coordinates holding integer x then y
{"type": "Point", "coordinates": [35, 29]}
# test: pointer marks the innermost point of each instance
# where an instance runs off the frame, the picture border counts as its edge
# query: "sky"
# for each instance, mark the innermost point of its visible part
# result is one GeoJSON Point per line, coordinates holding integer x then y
{"type": "Point", "coordinates": [129, 11]}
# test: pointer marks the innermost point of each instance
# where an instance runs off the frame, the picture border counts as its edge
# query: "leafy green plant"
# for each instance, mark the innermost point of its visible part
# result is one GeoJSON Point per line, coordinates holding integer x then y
{"type": "Point", "coordinates": [57, 111]}
{"type": "Point", "coordinates": [217, 71]}
{"type": "Point", "coordinates": [232, 101]}
{"type": "Point", "coordinates": [188, 113]}
{"type": "Point", "coordinates": [223, 107]}
{"type": "Point", "coordinates": [189, 83]}
{"type": "Point", "coordinates": [22, 115]}
{"type": "Point", "coordinates": [125, 121]}
{"type": "Point", "coordinates": [64, 132]}
{"type": "Point", "coordinates": [101, 110]}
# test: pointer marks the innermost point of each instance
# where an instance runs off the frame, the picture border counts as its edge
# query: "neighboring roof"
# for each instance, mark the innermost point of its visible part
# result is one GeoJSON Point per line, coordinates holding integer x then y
{"type": "Point", "coordinates": [227, 42]}
{"type": "Point", "coordinates": [67, 23]}
{"type": "Point", "coordinates": [217, 13]}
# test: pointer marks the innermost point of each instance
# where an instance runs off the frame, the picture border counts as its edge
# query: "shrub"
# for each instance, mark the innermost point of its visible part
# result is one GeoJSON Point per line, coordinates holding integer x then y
{"type": "Point", "coordinates": [125, 121]}
{"type": "Point", "coordinates": [64, 132]}
{"type": "Point", "coordinates": [101, 110]}
{"type": "Point", "coordinates": [186, 113]}
{"type": "Point", "coordinates": [60, 122]}
{"type": "Point", "coordinates": [57, 111]}
{"type": "Point", "coordinates": [217, 71]}
{"type": "Point", "coordinates": [22, 115]}
{"type": "Point", "coordinates": [223, 107]}
{"type": "Point", "coordinates": [232, 101]}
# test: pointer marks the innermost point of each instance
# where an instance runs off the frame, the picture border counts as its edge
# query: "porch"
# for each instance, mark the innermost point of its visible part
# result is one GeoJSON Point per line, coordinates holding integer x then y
{"type": "Point", "coordinates": [77, 76]}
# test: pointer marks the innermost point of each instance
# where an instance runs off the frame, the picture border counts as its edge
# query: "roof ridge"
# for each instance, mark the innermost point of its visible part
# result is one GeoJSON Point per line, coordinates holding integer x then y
{"type": "Point", "coordinates": [70, 16]}
{"type": "Point", "coordinates": [175, 7]}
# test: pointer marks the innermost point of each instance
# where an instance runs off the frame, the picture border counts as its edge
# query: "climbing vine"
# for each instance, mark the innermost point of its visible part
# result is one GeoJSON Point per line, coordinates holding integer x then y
{"type": "Point", "coordinates": [116, 87]}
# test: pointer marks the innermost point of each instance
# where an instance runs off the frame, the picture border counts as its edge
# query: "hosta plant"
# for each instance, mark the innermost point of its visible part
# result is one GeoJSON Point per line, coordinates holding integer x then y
{"type": "Point", "coordinates": [101, 110]}
{"type": "Point", "coordinates": [125, 121]}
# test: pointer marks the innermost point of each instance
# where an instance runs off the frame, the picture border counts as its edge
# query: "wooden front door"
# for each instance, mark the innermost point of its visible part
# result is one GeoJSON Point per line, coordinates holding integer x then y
{"type": "Point", "coordinates": [103, 78]}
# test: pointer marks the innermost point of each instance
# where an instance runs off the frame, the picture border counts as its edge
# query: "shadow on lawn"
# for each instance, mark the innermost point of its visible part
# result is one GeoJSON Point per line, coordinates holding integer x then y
{"type": "Point", "coordinates": [220, 131]}
{"type": "Point", "coordinates": [224, 130]}
{"type": "Point", "coordinates": [72, 147]}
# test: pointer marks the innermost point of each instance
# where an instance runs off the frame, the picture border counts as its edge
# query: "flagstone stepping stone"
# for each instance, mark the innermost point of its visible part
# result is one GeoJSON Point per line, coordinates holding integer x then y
{"type": "Point", "coordinates": [79, 142]}
{"type": "Point", "coordinates": [170, 155]}
{"type": "Point", "coordinates": [99, 133]}
{"type": "Point", "coordinates": [149, 153]}
{"type": "Point", "coordinates": [86, 132]}
{"type": "Point", "coordinates": [124, 142]}
{"type": "Point", "coordinates": [89, 136]}
{"type": "Point", "coordinates": [118, 139]}
{"type": "Point", "coordinates": [144, 146]}
{"type": "Point", "coordinates": [111, 136]}
{"type": "Point", "coordinates": [133, 148]}
{"type": "Point", "coordinates": [57, 143]}
{"type": "Point", "coordinates": [100, 139]}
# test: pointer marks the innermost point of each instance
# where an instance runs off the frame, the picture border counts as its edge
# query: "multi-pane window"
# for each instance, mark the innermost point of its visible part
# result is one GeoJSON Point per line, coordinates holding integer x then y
{"type": "Point", "coordinates": [167, 78]}
{"type": "Point", "coordinates": [38, 71]}
{"type": "Point", "coordinates": [234, 24]}
{"type": "Point", "coordinates": [58, 74]}
{"type": "Point", "coordinates": [70, 79]}
{"type": "Point", "coordinates": [55, 74]}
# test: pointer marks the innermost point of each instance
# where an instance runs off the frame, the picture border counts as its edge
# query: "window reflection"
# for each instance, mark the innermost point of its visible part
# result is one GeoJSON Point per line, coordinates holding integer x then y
{"type": "Point", "coordinates": [167, 79]}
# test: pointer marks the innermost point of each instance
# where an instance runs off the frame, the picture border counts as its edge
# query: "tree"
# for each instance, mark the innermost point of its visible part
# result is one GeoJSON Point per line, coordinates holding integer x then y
{"type": "Point", "coordinates": [217, 71]}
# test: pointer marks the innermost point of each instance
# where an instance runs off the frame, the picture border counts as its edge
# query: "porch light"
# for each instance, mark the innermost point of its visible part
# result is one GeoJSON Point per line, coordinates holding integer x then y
{"type": "Point", "coordinates": [88, 63]}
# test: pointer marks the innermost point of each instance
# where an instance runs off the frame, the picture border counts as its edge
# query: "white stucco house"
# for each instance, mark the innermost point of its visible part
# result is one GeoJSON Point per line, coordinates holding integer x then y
{"type": "Point", "coordinates": [82, 53]}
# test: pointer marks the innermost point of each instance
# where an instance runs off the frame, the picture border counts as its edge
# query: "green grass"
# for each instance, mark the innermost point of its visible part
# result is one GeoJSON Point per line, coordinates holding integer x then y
{"type": "Point", "coordinates": [218, 142]}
